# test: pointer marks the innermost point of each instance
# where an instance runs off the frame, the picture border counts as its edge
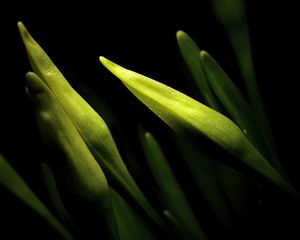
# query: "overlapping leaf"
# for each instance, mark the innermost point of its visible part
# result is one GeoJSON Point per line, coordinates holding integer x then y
{"type": "Point", "coordinates": [83, 175]}
{"type": "Point", "coordinates": [171, 193]}
{"type": "Point", "coordinates": [12, 181]}
{"type": "Point", "coordinates": [87, 122]}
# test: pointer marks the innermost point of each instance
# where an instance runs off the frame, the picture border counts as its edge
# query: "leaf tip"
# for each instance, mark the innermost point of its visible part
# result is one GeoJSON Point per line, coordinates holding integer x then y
{"type": "Point", "coordinates": [204, 54]}
{"type": "Point", "coordinates": [180, 35]}
{"type": "Point", "coordinates": [20, 24]}
{"type": "Point", "coordinates": [117, 70]}
{"type": "Point", "coordinates": [106, 63]}
{"type": "Point", "coordinates": [102, 59]}
{"type": "Point", "coordinates": [147, 135]}
{"type": "Point", "coordinates": [23, 31]}
{"type": "Point", "coordinates": [33, 83]}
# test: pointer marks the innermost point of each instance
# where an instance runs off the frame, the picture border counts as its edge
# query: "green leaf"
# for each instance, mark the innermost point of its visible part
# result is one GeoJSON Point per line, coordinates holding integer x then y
{"type": "Point", "coordinates": [232, 14]}
{"type": "Point", "coordinates": [83, 176]}
{"type": "Point", "coordinates": [88, 123]}
{"type": "Point", "coordinates": [204, 172]}
{"type": "Point", "coordinates": [130, 223]}
{"type": "Point", "coordinates": [212, 173]}
{"type": "Point", "coordinates": [242, 195]}
{"type": "Point", "coordinates": [170, 190]}
{"type": "Point", "coordinates": [232, 99]}
{"type": "Point", "coordinates": [12, 181]}
{"type": "Point", "coordinates": [187, 116]}
{"type": "Point", "coordinates": [190, 53]}
{"type": "Point", "coordinates": [51, 186]}
{"type": "Point", "coordinates": [177, 226]}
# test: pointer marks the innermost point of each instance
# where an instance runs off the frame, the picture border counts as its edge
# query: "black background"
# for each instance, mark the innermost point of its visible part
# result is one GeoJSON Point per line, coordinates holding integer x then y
{"type": "Point", "coordinates": [141, 37]}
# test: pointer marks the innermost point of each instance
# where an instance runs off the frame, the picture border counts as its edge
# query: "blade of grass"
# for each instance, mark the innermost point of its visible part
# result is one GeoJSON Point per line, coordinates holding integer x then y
{"type": "Point", "coordinates": [177, 226]}
{"type": "Point", "coordinates": [213, 172]}
{"type": "Point", "coordinates": [232, 14]}
{"type": "Point", "coordinates": [170, 190]}
{"type": "Point", "coordinates": [131, 225]}
{"type": "Point", "coordinates": [51, 186]}
{"type": "Point", "coordinates": [12, 181]}
{"type": "Point", "coordinates": [187, 116]}
{"type": "Point", "coordinates": [89, 124]}
{"type": "Point", "coordinates": [83, 176]}
{"type": "Point", "coordinates": [232, 99]}
{"type": "Point", "coordinates": [243, 196]}
{"type": "Point", "coordinates": [190, 53]}
{"type": "Point", "coordinates": [204, 172]}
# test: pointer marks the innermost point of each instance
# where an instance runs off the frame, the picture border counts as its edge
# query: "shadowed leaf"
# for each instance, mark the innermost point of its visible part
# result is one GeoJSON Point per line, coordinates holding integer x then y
{"type": "Point", "coordinates": [11, 180]}
{"type": "Point", "coordinates": [190, 53]}
{"type": "Point", "coordinates": [51, 186]}
{"type": "Point", "coordinates": [171, 193]}
{"type": "Point", "coordinates": [232, 14]}
{"type": "Point", "coordinates": [82, 174]}
{"type": "Point", "coordinates": [232, 99]}
{"type": "Point", "coordinates": [131, 225]}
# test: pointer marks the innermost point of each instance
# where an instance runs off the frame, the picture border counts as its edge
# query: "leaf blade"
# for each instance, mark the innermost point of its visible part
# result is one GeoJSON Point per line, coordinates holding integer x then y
{"type": "Point", "coordinates": [171, 192]}
{"type": "Point", "coordinates": [186, 115]}
{"type": "Point", "coordinates": [190, 53]}
{"type": "Point", "coordinates": [12, 181]}
{"type": "Point", "coordinates": [82, 174]}
{"type": "Point", "coordinates": [89, 124]}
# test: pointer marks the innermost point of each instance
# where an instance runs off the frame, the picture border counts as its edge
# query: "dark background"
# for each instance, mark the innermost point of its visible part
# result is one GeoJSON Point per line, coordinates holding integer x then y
{"type": "Point", "coordinates": [140, 37]}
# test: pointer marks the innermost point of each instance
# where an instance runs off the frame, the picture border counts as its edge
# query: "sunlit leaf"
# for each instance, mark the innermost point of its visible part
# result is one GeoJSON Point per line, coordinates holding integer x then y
{"type": "Point", "coordinates": [88, 123]}
{"type": "Point", "coordinates": [187, 116]}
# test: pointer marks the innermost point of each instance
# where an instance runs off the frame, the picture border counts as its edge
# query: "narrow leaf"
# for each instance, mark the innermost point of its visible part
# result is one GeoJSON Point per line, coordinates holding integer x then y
{"type": "Point", "coordinates": [131, 225]}
{"type": "Point", "coordinates": [211, 172]}
{"type": "Point", "coordinates": [204, 172]}
{"type": "Point", "coordinates": [177, 226]}
{"type": "Point", "coordinates": [88, 123]}
{"type": "Point", "coordinates": [12, 181]}
{"type": "Point", "coordinates": [187, 116]}
{"type": "Point", "coordinates": [232, 99]}
{"type": "Point", "coordinates": [51, 186]}
{"type": "Point", "coordinates": [170, 190]}
{"type": "Point", "coordinates": [190, 53]}
{"type": "Point", "coordinates": [83, 176]}
{"type": "Point", "coordinates": [232, 14]}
